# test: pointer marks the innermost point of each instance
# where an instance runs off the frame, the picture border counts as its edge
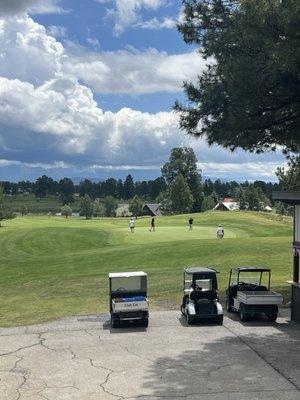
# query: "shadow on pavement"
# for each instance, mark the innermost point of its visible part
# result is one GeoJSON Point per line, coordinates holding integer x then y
{"type": "Point", "coordinates": [259, 367]}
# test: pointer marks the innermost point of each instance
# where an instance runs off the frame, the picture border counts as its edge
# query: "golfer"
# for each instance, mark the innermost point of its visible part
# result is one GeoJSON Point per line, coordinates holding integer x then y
{"type": "Point", "coordinates": [191, 223]}
{"type": "Point", "coordinates": [152, 225]}
{"type": "Point", "coordinates": [132, 225]}
{"type": "Point", "coordinates": [220, 232]}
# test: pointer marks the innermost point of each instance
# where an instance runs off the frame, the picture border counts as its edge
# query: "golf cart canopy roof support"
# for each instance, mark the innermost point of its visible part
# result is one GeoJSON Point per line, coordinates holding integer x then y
{"type": "Point", "coordinates": [195, 270]}
{"type": "Point", "coordinates": [126, 274]}
{"type": "Point", "coordinates": [250, 269]}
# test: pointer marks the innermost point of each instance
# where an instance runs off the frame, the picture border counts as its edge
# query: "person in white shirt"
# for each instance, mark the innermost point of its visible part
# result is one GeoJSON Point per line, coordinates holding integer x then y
{"type": "Point", "coordinates": [220, 232]}
{"type": "Point", "coordinates": [132, 225]}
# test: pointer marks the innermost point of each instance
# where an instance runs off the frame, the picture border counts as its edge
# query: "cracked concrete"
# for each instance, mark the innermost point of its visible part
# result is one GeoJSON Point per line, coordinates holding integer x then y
{"type": "Point", "coordinates": [81, 358]}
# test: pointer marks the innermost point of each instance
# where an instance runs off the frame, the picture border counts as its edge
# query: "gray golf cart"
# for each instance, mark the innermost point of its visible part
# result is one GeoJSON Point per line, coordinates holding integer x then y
{"type": "Point", "coordinates": [200, 295]}
{"type": "Point", "coordinates": [250, 295]}
{"type": "Point", "coordinates": [128, 298]}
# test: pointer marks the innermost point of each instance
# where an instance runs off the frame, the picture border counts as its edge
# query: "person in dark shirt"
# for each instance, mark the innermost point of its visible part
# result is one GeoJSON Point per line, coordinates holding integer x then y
{"type": "Point", "coordinates": [152, 225]}
{"type": "Point", "coordinates": [191, 223]}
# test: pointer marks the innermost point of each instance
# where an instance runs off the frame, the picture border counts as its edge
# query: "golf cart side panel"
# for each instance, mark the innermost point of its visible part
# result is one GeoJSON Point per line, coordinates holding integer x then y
{"type": "Point", "coordinates": [255, 298]}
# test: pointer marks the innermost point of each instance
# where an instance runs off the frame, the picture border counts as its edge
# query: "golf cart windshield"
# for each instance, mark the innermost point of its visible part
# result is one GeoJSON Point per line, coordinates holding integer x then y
{"type": "Point", "coordinates": [251, 277]}
{"type": "Point", "coordinates": [128, 284]}
{"type": "Point", "coordinates": [204, 284]}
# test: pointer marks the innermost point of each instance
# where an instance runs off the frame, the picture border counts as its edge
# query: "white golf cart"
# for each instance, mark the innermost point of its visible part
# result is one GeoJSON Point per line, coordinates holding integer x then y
{"type": "Point", "coordinates": [200, 295]}
{"type": "Point", "coordinates": [249, 293]}
{"type": "Point", "coordinates": [128, 298]}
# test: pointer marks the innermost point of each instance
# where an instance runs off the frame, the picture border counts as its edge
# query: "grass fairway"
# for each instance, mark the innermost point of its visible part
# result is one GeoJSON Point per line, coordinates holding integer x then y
{"type": "Point", "coordinates": [51, 267]}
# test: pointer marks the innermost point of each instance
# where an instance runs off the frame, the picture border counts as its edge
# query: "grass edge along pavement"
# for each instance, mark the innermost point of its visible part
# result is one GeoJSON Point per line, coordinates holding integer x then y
{"type": "Point", "coordinates": [51, 267]}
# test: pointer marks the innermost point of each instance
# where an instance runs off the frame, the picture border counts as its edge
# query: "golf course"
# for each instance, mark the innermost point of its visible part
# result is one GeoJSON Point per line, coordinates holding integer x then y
{"type": "Point", "coordinates": [51, 267]}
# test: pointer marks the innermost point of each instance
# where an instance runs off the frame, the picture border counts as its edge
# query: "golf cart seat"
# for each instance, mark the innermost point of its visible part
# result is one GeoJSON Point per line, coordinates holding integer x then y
{"type": "Point", "coordinates": [204, 294]}
{"type": "Point", "coordinates": [250, 287]}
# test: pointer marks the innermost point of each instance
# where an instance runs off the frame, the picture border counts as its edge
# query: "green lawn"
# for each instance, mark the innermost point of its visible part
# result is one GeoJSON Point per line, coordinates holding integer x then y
{"type": "Point", "coordinates": [51, 267]}
{"type": "Point", "coordinates": [38, 206]}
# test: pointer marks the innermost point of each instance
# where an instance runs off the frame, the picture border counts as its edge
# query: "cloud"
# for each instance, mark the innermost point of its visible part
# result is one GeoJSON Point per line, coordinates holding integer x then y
{"type": "Point", "coordinates": [156, 24]}
{"type": "Point", "coordinates": [125, 71]}
{"type": "Point", "coordinates": [134, 72]}
{"type": "Point", "coordinates": [126, 13]}
{"type": "Point", "coordinates": [58, 32]}
{"type": "Point", "coordinates": [11, 7]}
{"type": "Point", "coordinates": [50, 120]}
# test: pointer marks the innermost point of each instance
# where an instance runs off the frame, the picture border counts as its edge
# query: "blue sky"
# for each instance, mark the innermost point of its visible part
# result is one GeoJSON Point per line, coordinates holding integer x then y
{"type": "Point", "coordinates": [87, 88]}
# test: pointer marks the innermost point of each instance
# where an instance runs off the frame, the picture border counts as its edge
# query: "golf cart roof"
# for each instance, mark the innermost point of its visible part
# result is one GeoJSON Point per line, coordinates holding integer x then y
{"type": "Point", "coordinates": [195, 270]}
{"type": "Point", "coordinates": [126, 274]}
{"type": "Point", "coordinates": [250, 269]}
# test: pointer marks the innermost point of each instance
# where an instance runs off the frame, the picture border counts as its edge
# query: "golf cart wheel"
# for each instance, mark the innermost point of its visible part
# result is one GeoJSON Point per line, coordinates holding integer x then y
{"type": "Point", "coordinates": [228, 306]}
{"type": "Point", "coordinates": [272, 317]}
{"type": "Point", "coordinates": [243, 315]}
{"type": "Point", "coordinates": [220, 319]}
{"type": "Point", "coordinates": [145, 322]}
{"type": "Point", "coordinates": [182, 309]}
{"type": "Point", "coordinates": [189, 318]}
{"type": "Point", "coordinates": [115, 323]}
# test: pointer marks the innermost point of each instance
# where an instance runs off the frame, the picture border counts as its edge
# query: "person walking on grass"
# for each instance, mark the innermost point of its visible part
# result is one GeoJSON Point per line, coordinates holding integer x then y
{"type": "Point", "coordinates": [152, 225]}
{"type": "Point", "coordinates": [191, 223]}
{"type": "Point", "coordinates": [220, 232]}
{"type": "Point", "coordinates": [132, 225]}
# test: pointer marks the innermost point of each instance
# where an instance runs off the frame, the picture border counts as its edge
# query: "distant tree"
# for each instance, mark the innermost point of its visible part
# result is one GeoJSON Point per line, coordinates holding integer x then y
{"type": "Point", "coordinates": [155, 187]}
{"type": "Point", "coordinates": [183, 161]}
{"type": "Point", "coordinates": [23, 210]}
{"type": "Point", "coordinates": [240, 198]}
{"type": "Point", "coordinates": [98, 209]}
{"type": "Point", "coordinates": [181, 195]}
{"type": "Point", "coordinates": [66, 210]}
{"type": "Point", "coordinates": [120, 189]}
{"type": "Point", "coordinates": [248, 96]}
{"type": "Point", "coordinates": [86, 187]}
{"type": "Point", "coordinates": [86, 207]}
{"type": "Point", "coordinates": [128, 187]}
{"type": "Point", "coordinates": [123, 211]}
{"type": "Point", "coordinates": [289, 179]}
{"type": "Point", "coordinates": [208, 203]}
{"type": "Point", "coordinates": [5, 210]}
{"type": "Point", "coordinates": [110, 205]}
{"type": "Point", "coordinates": [136, 206]}
{"type": "Point", "coordinates": [201, 200]}
{"type": "Point", "coordinates": [43, 186]}
{"type": "Point", "coordinates": [165, 202]}
{"type": "Point", "coordinates": [252, 198]}
{"type": "Point", "coordinates": [66, 190]}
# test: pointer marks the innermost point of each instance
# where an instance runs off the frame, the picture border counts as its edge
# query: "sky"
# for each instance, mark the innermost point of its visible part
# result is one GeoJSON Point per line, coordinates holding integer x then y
{"type": "Point", "coordinates": [87, 89]}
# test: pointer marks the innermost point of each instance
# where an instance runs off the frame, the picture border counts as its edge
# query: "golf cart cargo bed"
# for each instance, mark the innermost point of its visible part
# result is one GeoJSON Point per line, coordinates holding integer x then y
{"type": "Point", "coordinates": [259, 298]}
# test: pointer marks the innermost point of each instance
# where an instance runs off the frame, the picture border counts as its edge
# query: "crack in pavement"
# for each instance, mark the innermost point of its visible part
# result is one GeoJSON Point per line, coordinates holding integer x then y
{"type": "Point", "coordinates": [277, 369]}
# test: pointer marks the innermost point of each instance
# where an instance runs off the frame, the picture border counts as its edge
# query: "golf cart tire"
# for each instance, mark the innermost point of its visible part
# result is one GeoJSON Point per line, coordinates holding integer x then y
{"type": "Point", "coordinates": [243, 315]}
{"type": "Point", "coordinates": [220, 319]}
{"type": "Point", "coordinates": [145, 322]}
{"type": "Point", "coordinates": [272, 317]}
{"type": "Point", "coordinates": [115, 323]}
{"type": "Point", "coordinates": [189, 318]}
{"type": "Point", "coordinates": [228, 306]}
{"type": "Point", "coordinates": [182, 310]}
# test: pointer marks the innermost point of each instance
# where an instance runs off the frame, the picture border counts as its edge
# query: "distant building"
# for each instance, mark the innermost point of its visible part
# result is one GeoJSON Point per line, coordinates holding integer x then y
{"type": "Point", "coordinates": [152, 209]}
{"type": "Point", "coordinates": [267, 208]}
{"type": "Point", "coordinates": [227, 205]}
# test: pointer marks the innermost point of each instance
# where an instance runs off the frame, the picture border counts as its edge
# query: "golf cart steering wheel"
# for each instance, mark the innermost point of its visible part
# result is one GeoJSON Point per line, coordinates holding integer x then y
{"type": "Point", "coordinates": [197, 287]}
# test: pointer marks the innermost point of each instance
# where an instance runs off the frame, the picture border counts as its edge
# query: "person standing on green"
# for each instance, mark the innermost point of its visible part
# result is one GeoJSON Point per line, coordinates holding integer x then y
{"type": "Point", "coordinates": [152, 225]}
{"type": "Point", "coordinates": [191, 223]}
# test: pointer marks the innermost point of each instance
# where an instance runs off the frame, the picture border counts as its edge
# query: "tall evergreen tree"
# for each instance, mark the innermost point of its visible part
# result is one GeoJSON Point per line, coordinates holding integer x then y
{"type": "Point", "coordinates": [128, 187]}
{"type": "Point", "coordinates": [5, 210]}
{"type": "Point", "coordinates": [181, 196]}
{"type": "Point", "coordinates": [248, 96]}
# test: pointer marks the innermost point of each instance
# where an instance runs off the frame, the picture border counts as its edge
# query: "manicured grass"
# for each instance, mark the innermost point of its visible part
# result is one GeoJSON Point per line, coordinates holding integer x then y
{"type": "Point", "coordinates": [38, 206]}
{"type": "Point", "coordinates": [51, 267]}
